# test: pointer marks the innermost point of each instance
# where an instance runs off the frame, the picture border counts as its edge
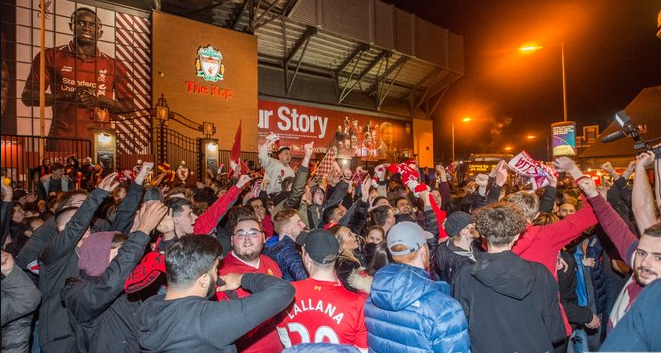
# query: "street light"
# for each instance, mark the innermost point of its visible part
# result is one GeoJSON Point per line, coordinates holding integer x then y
{"type": "Point", "coordinates": [534, 48]}
{"type": "Point", "coordinates": [463, 120]}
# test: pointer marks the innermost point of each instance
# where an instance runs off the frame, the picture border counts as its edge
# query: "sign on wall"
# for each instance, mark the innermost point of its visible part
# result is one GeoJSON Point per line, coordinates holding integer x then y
{"type": "Point", "coordinates": [97, 62]}
{"type": "Point", "coordinates": [361, 135]}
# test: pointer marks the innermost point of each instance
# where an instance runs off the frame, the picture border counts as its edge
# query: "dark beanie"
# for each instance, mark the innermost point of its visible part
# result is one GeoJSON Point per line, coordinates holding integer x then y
{"type": "Point", "coordinates": [456, 222]}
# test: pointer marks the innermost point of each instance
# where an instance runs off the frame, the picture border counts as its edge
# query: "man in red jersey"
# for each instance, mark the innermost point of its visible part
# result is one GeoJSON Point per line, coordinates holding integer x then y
{"type": "Point", "coordinates": [81, 80]}
{"type": "Point", "coordinates": [323, 310]}
{"type": "Point", "coordinates": [246, 257]}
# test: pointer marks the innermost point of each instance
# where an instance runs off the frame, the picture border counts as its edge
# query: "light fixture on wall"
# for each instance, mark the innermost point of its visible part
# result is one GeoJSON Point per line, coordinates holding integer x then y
{"type": "Point", "coordinates": [212, 147]}
{"type": "Point", "coordinates": [208, 129]}
{"type": "Point", "coordinates": [162, 109]}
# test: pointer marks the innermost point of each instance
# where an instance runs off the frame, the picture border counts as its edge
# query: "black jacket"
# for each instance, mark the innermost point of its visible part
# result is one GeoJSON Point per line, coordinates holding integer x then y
{"type": "Point", "coordinates": [102, 315]}
{"type": "Point", "coordinates": [511, 304]}
{"type": "Point", "coordinates": [576, 315]}
{"type": "Point", "coordinates": [194, 324]}
{"type": "Point", "coordinates": [58, 262]}
{"type": "Point", "coordinates": [447, 263]}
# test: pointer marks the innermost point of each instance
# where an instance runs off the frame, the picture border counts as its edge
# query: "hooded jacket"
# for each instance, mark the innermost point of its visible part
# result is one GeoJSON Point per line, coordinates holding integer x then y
{"type": "Point", "coordinates": [408, 312]}
{"type": "Point", "coordinates": [102, 315]}
{"type": "Point", "coordinates": [511, 304]}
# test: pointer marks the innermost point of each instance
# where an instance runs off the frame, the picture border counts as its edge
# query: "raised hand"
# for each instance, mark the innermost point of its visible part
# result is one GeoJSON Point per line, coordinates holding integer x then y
{"type": "Point", "coordinates": [589, 187]}
{"type": "Point", "coordinates": [151, 215]}
{"type": "Point", "coordinates": [309, 148]}
{"type": "Point", "coordinates": [109, 183]}
{"type": "Point", "coordinates": [608, 168]}
{"type": "Point", "coordinates": [644, 159]}
{"type": "Point", "coordinates": [243, 180]}
{"type": "Point", "coordinates": [564, 164]}
{"type": "Point", "coordinates": [553, 180]}
{"type": "Point", "coordinates": [144, 171]}
{"type": "Point", "coordinates": [501, 174]}
{"type": "Point", "coordinates": [365, 188]}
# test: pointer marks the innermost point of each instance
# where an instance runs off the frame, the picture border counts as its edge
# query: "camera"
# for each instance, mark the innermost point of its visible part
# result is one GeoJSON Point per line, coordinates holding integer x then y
{"type": "Point", "coordinates": [633, 131]}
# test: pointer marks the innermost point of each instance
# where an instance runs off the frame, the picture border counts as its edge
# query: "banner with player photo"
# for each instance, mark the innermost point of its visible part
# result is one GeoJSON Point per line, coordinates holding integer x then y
{"type": "Point", "coordinates": [97, 62]}
{"type": "Point", "coordinates": [362, 135]}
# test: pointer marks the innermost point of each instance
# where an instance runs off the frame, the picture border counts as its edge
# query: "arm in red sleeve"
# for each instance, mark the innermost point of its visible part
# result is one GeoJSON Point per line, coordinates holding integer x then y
{"type": "Point", "coordinates": [560, 233]}
{"type": "Point", "coordinates": [613, 225]}
{"type": "Point", "coordinates": [267, 226]}
{"type": "Point", "coordinates": [440, 217]}
{"type": "Point", "coordinates": [209, 219]}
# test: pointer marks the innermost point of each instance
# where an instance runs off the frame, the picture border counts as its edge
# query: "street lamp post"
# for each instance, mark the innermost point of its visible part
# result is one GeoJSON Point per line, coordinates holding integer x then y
{"type": "Point", "coordinates": [533, 48]}
{"type": "Point", "coordinates": [465, 120]}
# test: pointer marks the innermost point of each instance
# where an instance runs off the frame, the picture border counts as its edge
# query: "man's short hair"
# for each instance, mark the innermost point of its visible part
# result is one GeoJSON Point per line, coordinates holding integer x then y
{"type": "Point", "coordinates": [239, 212]}
{"type": "Point", "coordinates": [117, 240]}
{"type": "Point", "coordinates": [380, 215]}
{"type": "Point", "coordinates": [527, 202]}
{"type": "Point", "coordinates": [60, 215]}
{"type": "Point", "coordinates": [179, 190]}
{"type": "Point", "coordinates": [176, 204]}
{"type": "Point", "coordinates": [245, 218]}
{"type": "Point", "coordinates": [83, 9]}
{"type": "Point", "coordinates": [654, 230]}
{"type": "Point", "coordinates": [283, 217]}
{"type": "Point", "coordinates": [56, 166]}
{"type": "Point", "coordinates": [286, 182]}
{"type": "Point", "coordinates": [400, 199]}
{"type": "Point", "coordinates": [377, 199]}
{"type": "Point", "coordinates": [190, 257]}
{"type": "Point", "coordinates": [329, 213]}
{"type": "Point", "coordinates": [500, 223]}
{"type": "Point", "coordinates": [64, 199]}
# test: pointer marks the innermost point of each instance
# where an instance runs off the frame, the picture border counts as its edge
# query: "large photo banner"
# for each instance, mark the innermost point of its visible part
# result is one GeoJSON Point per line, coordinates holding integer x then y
{"type": "Point", "coordinates": [97, 62]}
{"type": "Point", "coordinates": [353, 134]}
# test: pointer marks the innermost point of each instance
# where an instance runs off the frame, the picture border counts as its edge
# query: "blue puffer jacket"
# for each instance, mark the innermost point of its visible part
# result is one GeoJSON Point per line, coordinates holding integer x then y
{"type": "Point", "coordinates": [284, 253]}
{"type": "Point", "coordinates": [408, 312]}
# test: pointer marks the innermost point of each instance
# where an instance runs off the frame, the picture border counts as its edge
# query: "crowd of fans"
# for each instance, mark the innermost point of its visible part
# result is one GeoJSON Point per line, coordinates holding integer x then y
{"type": "Point", "coordinates": [287, 258]}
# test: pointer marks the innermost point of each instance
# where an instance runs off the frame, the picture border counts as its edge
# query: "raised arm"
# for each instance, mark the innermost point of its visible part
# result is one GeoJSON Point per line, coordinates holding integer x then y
{"type": "Point", "coordinates": [127, 208]}
{"type": "Point", "coordinates": [66, 241]}
{"type": "Point", "coordinates": [89, 299]}
{"type": "Point", "coordinates": [642, 197]}
{"type": "Point", "coordinates": [209, 219]}
{"type": "Point", "coordinates": [614, 226]}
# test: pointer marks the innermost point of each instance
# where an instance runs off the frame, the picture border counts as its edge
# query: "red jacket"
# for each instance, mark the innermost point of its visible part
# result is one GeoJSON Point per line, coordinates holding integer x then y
{"type": "Point", "coordinates": [543, 243]}
{"type": "Point", "coordinates": [208, 220]}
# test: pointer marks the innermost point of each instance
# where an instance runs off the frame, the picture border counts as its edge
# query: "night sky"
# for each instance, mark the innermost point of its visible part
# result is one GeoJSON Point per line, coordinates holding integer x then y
{"type": "Point", "coordinates": [611, 53]}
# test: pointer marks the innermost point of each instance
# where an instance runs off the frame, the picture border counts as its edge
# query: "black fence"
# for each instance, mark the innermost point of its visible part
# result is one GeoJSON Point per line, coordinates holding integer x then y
{"type": "Point", "coordinates": [20, 155]}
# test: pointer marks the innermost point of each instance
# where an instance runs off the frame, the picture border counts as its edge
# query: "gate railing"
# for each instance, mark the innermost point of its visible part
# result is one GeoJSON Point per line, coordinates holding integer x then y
{"type": "Point", "coordinates": [20, 155]}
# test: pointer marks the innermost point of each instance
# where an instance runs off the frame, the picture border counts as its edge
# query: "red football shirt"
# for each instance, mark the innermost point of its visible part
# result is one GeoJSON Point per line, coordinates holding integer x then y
{"type": "Point", "coordinates": [263, 338]}
{"type": "Point", "coordinates": [325, 311]}
{"type": "Point", "coordinates": [64, 72]}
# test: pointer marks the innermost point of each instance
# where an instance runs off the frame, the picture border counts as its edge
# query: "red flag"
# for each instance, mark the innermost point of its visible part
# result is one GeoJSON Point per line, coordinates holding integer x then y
{"type": "Point", "coordinates": [235, 153]}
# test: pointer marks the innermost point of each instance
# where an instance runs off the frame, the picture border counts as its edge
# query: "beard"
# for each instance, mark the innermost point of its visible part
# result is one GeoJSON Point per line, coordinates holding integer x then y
{"type": "Point", "coordinates": [650, 275]}
{"type": "Point", "coordinates": [249, 255]}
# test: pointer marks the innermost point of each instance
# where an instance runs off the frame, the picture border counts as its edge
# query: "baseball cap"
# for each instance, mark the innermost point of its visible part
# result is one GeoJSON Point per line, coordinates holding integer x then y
{"type": "Point", "coordinates": [283, 148]}
{"type": "Point", "coordinates": [320, 245]}
{"type": "Point", "coordinates": [456, 222]}
{"type": "Point", "coordinates": [409, 234]}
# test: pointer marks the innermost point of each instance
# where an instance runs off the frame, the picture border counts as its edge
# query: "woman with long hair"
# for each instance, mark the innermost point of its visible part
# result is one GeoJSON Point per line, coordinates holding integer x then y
{"type": "Point", "coordinates": [351, 258]}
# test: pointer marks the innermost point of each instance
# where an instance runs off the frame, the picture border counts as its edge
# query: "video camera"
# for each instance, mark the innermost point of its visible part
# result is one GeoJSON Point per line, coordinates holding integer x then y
{"type": "Point", "coordinates": [633, 131]}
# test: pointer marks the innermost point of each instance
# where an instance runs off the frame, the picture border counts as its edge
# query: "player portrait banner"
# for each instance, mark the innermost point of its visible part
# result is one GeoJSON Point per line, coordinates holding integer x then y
{"type": "Point", "coordinates": [352, 134]}
{"type": "Point", "coordinates": [82, 90]}
{"type": "Point", "coordinates": [564, 138]}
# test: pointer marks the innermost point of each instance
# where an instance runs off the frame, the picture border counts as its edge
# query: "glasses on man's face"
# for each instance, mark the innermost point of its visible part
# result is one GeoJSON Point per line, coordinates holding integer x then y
{"type": "Point", "coordinates": [248, 234]}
